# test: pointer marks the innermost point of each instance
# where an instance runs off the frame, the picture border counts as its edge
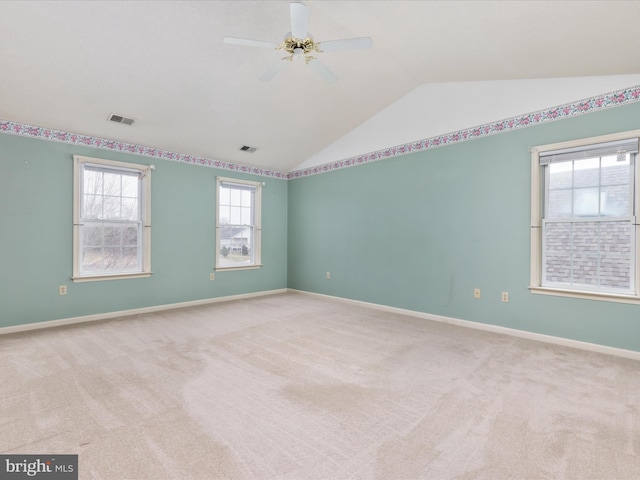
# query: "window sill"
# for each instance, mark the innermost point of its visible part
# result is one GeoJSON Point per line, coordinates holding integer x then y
{"type": "Point", "coordinates": [118, 276]}
{"type": "Point", "coordinates": [602, 296]}
{"type": "Point", "coordinates": [248, 267]}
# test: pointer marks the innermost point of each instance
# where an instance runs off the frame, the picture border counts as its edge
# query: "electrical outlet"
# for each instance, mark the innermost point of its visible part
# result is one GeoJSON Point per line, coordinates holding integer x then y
{"type": "Point", "coordinates": [328, 275]}
{"type": "Point", "coordinates": [212, 276]}
{"type": "Point", "coordinates": [62, 289]}
{"type": "Point", "coordinates": [505, 297]}
{"type": "Point", "coordinates": [476, 293]}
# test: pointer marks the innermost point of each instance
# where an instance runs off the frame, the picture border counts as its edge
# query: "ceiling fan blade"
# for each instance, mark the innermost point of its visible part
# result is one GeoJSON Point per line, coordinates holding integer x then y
{"type": "Point", "coordinates": [346, 44]}
{"type": "Point", "coordinates": [275, 68]}
{"type": "Point", "coordinates": [323, 71]}
{"type": "Point", "coordinates": [299, 20]}
{"type": "Point", "coordinates": [249, 43]}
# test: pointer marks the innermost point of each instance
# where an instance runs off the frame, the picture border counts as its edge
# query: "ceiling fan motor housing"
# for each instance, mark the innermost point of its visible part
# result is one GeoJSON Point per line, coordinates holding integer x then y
{"type": "Point", "coordinates": [292, 44]}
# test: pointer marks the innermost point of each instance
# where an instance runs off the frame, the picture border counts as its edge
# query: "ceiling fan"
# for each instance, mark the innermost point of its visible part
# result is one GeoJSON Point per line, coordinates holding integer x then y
{"type": "Point", "coordinates": [300, 44]}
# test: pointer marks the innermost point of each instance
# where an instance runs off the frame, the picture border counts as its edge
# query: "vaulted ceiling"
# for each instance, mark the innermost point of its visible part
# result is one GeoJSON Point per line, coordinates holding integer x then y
{"type": "Point", "coordinates": [69, 65]}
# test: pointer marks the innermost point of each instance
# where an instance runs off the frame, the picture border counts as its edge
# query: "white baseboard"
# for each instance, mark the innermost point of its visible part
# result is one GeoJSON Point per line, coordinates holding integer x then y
{"type": "Point", "coordinates": [539, 337]}
{"type": "Point", "coordinates": [135, 311]}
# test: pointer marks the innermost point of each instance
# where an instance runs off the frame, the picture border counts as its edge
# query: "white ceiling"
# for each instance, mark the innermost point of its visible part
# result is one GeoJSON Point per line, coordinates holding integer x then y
{"type": "Point", "coordinates": [68, 65]}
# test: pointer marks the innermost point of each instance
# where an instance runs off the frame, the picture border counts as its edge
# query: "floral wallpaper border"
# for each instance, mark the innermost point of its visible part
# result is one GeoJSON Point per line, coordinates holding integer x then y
{"type": "Point", "coordinates": [618, 98]}
{"type": "Point", "coordinates": [615, 99]}
{"type": "Point", "coordinates": [42, 133]}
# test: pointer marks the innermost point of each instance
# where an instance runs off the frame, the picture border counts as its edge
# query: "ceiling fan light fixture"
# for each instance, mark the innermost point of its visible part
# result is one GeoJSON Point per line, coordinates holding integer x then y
{"type": "Point", "coordinates": [299, 43]}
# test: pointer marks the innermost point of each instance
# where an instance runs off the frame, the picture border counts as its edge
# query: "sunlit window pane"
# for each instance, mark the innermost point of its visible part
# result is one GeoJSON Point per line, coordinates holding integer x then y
{"type": "Point", "coordinates": [587, 227]}
{"type": "Point", "coordinates": [110, 220]}
{"type": "Point", "coordinates": [236, 225]}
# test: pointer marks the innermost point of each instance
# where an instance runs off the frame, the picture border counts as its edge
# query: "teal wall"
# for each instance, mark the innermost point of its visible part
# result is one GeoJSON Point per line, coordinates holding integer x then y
{"type": "Point", "coordinates": [36, 198]}
{"type": "Point", "coordinates": [421, 231]}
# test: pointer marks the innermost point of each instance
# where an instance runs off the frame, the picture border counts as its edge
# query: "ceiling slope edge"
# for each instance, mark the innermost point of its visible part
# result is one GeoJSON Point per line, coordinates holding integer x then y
{"type": "Point", "coordinates": [580, 107]}
{"type": "Point", "coordinates": [433, 109]}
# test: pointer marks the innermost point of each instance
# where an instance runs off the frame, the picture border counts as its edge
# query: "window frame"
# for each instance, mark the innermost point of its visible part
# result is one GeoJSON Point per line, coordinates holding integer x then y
{"type": "Point", "coordinates": [537, 207]}
{"type": "Point", "coordinates": [145, 211]}
{"type": "Point", "coordinates": [257, 224]}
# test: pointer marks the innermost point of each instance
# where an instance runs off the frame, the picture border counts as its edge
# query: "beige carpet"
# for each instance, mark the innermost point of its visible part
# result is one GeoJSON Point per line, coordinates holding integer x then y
{"type": "Point", "coordinates": [293, 386]}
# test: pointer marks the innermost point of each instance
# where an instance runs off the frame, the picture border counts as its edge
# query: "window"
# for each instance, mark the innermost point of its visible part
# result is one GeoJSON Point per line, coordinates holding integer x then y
{"type": "Point", "coordinates": [111, 219]}
{"type": "Point", "coordinates": [584, 235]}
{"type": "Point", "coordinates": [238, 224]}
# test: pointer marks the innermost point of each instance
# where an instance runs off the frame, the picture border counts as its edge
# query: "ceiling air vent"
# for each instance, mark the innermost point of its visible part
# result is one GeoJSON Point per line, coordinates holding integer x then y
{"type": "Point", "coordinates": [120, 119]}
{"type": "Point", "coordinates": [246, 148]}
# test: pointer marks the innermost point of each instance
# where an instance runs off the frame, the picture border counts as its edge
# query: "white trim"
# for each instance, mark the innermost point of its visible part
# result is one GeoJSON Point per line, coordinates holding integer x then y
{"type": "Point", "coordinates": [588, 295]}
{"type": "Point", "coordinates": [132, 167]}
{"type": "Point", "coordinates": [232, 269]}
{"type": "Point", "coordinates": [538, 337]}
{"type": "Point", "coordinates": [135, 311]}
{"type": "Point", "coordinates": [145, 199]}
{"type": "Point", "coordinates": [536, 223]}
{"type": "Point", "coordinates": [635, 187]}
{"type": "Point", "coordinates": [591, 347]}
{"type": "Point", "coordinates": [537, 201]}
{"type": "Point", "coordinates": [256, 248]}
{"type": "Point", "coordinates": [586, 141]}
{"type": "Point", "coordinates": [115, 276]}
